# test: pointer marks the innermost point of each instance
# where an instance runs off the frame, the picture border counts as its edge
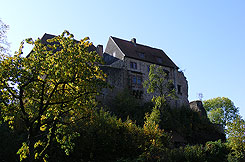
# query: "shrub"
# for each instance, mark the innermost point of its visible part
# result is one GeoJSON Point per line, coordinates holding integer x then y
{"type": "Point", "coordinates": [190, 125]}
{"type": "Point", "coordinates": [124, 106]}
{"type": "Point", "coordinates": [105, 138]}
{"type": "Point", "coordinates": [211, 151]}
{"type": "Point", "coordinates": [216, 151]}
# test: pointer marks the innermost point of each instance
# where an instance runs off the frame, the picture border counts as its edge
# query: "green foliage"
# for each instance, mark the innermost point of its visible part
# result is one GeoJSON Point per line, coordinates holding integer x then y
{"type": "Point", "coordinates": [220, 110]}
{"type": "Point", "coordinates": [49, 90]}
{"type": "Point", "coordinates": [193, 128]}
{"type": "Point", "coordinates": [211, 151]}
{"type": "Point", "coordinates": [125, 106]}
{"type": "Point", "coordinates": [154, 117]}
{"type": "Point", "coordinates": [159, 84]}
{"type": "Point", "coordinates": [187, 123]}
{"type": "Point", "coordinates": [216, 115]}
{"type": "Point", "coordinates": [236, 137]}
{"type": "Point", "coordinates": [216, 151]}
{"type": "Point", "coordinates": [106, 138]}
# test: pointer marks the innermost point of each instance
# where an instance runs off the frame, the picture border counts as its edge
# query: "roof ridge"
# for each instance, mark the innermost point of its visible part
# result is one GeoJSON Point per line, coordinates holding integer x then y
{"type": "Point", "coordinates": [138, 44]}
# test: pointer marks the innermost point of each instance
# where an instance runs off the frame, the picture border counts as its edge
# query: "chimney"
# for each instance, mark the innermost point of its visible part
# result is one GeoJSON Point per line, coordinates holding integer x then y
{"type": "Point", "coordinates": [99, 50]}
{"type": "Point", "coordinates": [133, 40]}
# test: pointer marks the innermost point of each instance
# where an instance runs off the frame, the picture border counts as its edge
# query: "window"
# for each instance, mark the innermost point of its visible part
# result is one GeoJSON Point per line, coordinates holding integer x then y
{"type": "Point", "coordinates": [139, 80]}
{"type": "Point", "coordinates": [134, 80]}
{"type": "Point", "coordinates": [159, 60]}
{"type": "Point", "coordinates": [179, 89]}
{"type": "Point", "coordinates": [133, 65]}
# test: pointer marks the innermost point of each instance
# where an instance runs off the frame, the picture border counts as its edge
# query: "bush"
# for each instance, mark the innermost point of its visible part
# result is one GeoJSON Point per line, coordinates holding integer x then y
{"type": "Point", "coordinates": [105, 138]}
{"type": "Point", "coordinates": [216, 151]}
{"type": "Point", "coordinates": [190, 125]}
{"type": "Point", "coordinates": [125, 106]}
{"type": "Point", "coordinates": [212, 151]}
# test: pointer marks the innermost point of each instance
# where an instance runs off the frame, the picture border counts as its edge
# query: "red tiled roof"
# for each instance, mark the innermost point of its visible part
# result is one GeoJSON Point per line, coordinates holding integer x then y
{"type": "Point", "coordinates": [152, 55]}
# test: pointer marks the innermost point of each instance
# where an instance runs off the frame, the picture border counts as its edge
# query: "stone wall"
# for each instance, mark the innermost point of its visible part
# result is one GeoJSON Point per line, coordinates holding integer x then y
{"type": "Point", "coordinates": [198, 107]}
{"type": "Point", "coordinates": [113, 50]}
{"type": "Point", "coordinates": [181, 86]}
{"type": "Point", "coordinates": [143, 69]}
{"type": "Point", "coordinates": [117, 81]}
{"type": "Point", "coordinates": [120, 75]}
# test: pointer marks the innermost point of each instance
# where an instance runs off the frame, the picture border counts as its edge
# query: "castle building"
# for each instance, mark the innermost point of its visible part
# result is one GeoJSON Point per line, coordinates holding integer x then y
{"type": "Point", "coordinates": [127, 67]}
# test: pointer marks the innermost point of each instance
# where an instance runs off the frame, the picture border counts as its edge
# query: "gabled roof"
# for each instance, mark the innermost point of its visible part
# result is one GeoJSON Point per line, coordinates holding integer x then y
{"type": "Point", "coordinates": [144, 53]}
{"type": "Point", "coordinates": [50, 36]}
{"type": "Point", "coordinates": [46, 36]}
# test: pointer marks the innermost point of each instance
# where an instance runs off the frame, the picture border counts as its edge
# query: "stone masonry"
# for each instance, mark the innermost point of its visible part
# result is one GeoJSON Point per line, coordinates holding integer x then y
{"type": "Point", "coordinates": [127, 66]}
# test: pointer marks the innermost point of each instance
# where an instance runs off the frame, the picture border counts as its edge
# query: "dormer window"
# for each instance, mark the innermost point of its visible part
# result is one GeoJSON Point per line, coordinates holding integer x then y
{"type": "Point", "coordinates": [159, 60]}
{"type": "Point", "coordinates": [133, 65]}
{"type": "Point", "coordinates": [141, 55]}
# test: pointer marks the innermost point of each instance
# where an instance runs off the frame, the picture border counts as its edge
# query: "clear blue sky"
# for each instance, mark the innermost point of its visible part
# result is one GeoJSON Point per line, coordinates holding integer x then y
{"type": "Point", "coordinates": [205, 38]}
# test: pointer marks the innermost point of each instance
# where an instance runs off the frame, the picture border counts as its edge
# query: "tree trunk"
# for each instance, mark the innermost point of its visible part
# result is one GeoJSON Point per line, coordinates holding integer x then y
{"type": "Point", "coordinates": [31, 143]}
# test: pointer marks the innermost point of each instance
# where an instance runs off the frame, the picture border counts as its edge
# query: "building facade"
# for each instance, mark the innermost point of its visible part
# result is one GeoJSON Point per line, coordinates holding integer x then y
{"type": "Point", "coordinates": [127, 67]}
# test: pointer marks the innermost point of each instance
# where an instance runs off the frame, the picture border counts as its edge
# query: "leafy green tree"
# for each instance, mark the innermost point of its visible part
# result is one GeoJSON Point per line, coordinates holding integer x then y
{"type": "Point", "coordinates": [236, 136]}
{"type": "Point", "coordinates": [106, 138]}
{"type": "Point", "coordinates": [162, 88]}
{"type": "Point", "coordinates": [49, 91]}
{"type": "Point", "coordinates": [220, 110]}
{"type": "Point", "coordinates": [216, 115]}
{"type": "Point", "coordinates": [159, 84]}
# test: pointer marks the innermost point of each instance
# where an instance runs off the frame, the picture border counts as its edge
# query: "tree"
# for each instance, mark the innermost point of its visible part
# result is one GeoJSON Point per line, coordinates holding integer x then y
{"type": "Point", "coordinates": [49, 91]}
{"type": "Point", "coordinates": [158, 83]}
{"type": "Point", "coordinates": [236, 136]}
{"type": "Point", "coordinates": [220, 110]}
{"type": "Point", "coordinates": [3, 42]}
